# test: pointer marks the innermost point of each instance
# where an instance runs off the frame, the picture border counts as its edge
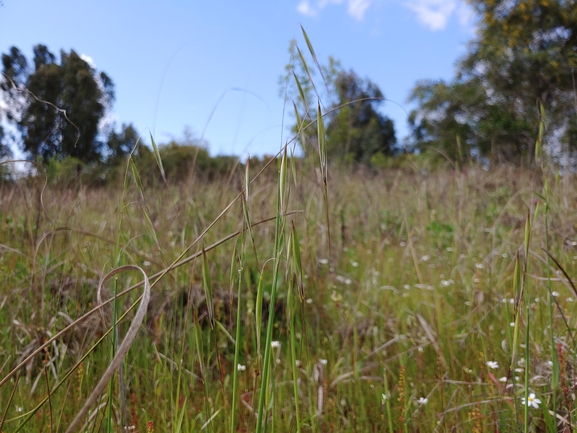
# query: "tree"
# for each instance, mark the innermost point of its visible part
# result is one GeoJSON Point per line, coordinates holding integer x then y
{"type": "Point", "coordinates": [121, 143]}
{"type": "Point", "coordinates": [5, 151]}
{"type": "Point", "coordinates": [525, 56]}
{"type": "Point", "coordinates": [355, 129]}
{"type": "Point", "coordinates": [56, 107]}
{"type": "Point", "coordinates": [304, 88]}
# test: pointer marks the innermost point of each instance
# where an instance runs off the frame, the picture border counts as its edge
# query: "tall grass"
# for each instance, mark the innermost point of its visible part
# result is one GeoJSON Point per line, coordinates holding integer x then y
{"type": "Point", "coordinates": [291, 298]}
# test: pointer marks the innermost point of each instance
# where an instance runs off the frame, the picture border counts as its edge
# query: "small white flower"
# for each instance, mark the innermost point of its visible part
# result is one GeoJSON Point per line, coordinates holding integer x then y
{"type": "Point", "coordinates": [241, 367]}
{"type": "Point", "coordinates": [402, 244]}
{"type": "Point", "coordinates": [570, 300]}
{"type": "Point", "coordinates": [550, 363]}
{"type": "Point", "coordinates": [354, 264]}
{"type": "Point", "coordinates": [503, 379]}
{"type": "Point", "coordinates": [422, 400]}
{"type": "Point", "coordinates": [532, 401]}
{"type": "Point", "coordinates": [480, 266]}
{"type": "Point", "coordinates": [146, 263]}
{"type": "Point", "coordinates": [385, 397]}
{"type": "Point", "coordinates": [555, 294]}
{"type": "Point", "coordinates": [323, 261]}
{"type": "Point", "coordinates": [323, 361]}
{"type": "Point", "coordinates": [449, 249]}
{"type": "Point", "coordinates": [493, 364]}
{"type": "Point", "coordinates": [512, 324]}
{"type": "Point", "coordinates": [519, 370]}
{"type": "Point", "coordinates": [298, 363]}
{"type": "Point", "coordinates": [309, 301]}
{"type": "Point", "coordinates": [504, 255]}
{"type": "Point", "coordinates": [275, 344]}
{"type": "Point", "coordinates": [447, 283]}
{"type": "Point", "coordinates": [407, 287]}
{"type": "Point", "coordinates": [425, 258]}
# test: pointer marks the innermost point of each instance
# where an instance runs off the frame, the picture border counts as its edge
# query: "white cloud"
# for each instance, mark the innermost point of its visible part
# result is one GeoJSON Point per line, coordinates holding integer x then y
{"type": "Point", "coordinates": [465, 14]}
{"type": "Point", "coordinates": [87, 59]}
{"type": "Point", "coordinates": [356, 8]}
{"type": "Point", "coordinates": [433, 13]}
{"type": "Point", "coordinates": [304, 8]}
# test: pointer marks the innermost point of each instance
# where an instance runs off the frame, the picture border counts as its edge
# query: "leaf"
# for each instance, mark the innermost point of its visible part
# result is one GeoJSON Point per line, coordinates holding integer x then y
{"type": "Point", "coordinates": [158, 158]}
{"type": "Point", "coordinates": [207, 284]}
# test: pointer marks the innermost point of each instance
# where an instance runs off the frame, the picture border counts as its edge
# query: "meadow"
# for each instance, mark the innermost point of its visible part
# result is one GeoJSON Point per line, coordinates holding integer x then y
{"type": "Point", "coordinates": [414, 299]}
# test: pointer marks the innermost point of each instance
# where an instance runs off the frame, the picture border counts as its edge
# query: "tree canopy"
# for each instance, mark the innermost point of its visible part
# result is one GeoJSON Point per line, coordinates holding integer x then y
{"type": "Point", "coordinates": [355, 129]}
{"type": "Point", "coordinates": [56, 106]}
{"type": "Point", "coordinates": [525, 55]}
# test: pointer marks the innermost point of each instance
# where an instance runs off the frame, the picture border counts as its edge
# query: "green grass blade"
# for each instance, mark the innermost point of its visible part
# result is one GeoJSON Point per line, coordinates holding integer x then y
{"type": "Point", "coordinates": [207, 285]}
{"type": "Point", "coordinates": [158, 158]}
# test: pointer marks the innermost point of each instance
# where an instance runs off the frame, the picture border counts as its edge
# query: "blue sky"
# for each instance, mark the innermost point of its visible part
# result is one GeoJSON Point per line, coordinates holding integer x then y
{"type": "Point", "coordinates": [214, 65]}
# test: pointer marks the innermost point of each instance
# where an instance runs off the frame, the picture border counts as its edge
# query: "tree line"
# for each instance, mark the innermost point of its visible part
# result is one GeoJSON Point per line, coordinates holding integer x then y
{"type": "Point", "coordinates": [520, 66]}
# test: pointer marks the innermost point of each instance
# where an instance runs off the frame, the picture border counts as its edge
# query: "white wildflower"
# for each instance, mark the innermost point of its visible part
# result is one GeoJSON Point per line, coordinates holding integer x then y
{"type": "Point", "coordinates": [532, 401]}
{"type": "Point", "coordinates": [492, 364]}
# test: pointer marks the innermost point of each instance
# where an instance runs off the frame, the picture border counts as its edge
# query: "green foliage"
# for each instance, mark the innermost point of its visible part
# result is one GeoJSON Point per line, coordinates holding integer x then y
{"type": "Point", "coordinates": [56, 107]}
{"type": "Point", "coordinates": [358, 131]}
{"type": "Point", "coordinates": [355, 129]}
{"type": "Point", "coordinates": [64, 172]}
{"type": "Point", "coordinates": [121, 143]}
{"type": "Point", "coordinates": [525, 54]}
{"type": "Point", "coordinates": [5, 151]}
{"type": "Point", "coordinates": [181, 159]}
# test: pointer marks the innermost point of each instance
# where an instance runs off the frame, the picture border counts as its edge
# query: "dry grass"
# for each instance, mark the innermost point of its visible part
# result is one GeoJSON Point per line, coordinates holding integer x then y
{"type": "Point", "coordinates": [418, 279]}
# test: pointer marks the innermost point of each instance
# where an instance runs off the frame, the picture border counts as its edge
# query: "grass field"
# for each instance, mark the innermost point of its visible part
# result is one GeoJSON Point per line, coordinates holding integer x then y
{"type": "Point", "coordinates": [431, 304]}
